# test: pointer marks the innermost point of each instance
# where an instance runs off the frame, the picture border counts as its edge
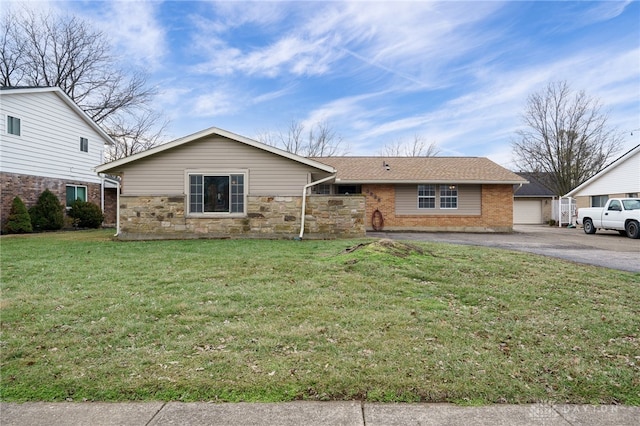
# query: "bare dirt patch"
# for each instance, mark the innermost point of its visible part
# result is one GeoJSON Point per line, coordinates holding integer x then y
{"type": "Point", "coordinates": [388, 246]}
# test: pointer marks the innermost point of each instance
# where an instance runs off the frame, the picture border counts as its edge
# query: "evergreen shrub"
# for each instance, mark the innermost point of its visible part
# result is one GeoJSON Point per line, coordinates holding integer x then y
{"type": "Point", "coordinates": [48, 213]}
{"type": "Point", "coordinates": [86, 214]}
{"type": "Point", "coordinates": [19, 221]}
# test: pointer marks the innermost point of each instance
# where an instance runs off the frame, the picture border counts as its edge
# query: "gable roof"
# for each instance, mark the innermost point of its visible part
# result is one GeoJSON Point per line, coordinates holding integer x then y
{"type": "Point", "coordinates": [65, 98]}
{"type": "Point", "coordinates": [206, 133]}
{"type": "Point", "coordinates": [615, 163]}
{"type": "Point", "coordinates": [420, 169]}
{"type": "Point", "coordinates": [535, 187]}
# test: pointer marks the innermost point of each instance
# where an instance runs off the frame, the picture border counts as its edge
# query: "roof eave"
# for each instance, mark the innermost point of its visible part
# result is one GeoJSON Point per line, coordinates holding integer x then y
{"type": "Point", "coordinates": [424, 181]}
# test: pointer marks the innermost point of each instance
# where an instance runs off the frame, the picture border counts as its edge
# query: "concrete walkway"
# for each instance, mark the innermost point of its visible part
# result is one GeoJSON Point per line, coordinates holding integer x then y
{"type": "Point", "coordinates": [312, 413]}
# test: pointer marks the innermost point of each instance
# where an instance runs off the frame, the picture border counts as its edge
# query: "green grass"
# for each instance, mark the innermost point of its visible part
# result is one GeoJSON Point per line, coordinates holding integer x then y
{"type": "Point", "coordinates": [87, 318]}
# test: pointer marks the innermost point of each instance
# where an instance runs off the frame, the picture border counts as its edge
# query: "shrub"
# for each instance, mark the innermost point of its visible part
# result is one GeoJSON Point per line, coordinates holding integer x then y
{"type": "Point", "coordinates": [86, 215]}
{"type": "Point", "coordinates": [19, 221]}
{"type": "Point", "coordinates": [47, 214]}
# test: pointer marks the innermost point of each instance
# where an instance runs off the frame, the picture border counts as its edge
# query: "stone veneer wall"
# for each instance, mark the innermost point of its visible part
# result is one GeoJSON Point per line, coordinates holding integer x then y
{"type": "Point", "coordinates": [496, 212]}
{"type": "Point", "coordinates": [163, 217]}
{"type": "Point", "coordinates": [29, 188]}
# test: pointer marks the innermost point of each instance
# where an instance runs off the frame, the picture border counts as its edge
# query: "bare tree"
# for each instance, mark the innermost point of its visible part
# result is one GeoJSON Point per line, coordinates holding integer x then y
{"type": "Point", "coordinates": [417, 148]}
{"type": "Point", "coordinates": [319, 140]}
{"type": "Point", "coordinates": [567, 139]}
{"type": "Point", "coordinates": [47, 50]}
{"type": "Point", "coordinates": [134, 132]}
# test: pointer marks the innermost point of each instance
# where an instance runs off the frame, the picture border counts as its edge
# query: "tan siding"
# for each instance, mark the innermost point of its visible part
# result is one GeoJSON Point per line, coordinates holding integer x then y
{"type": "Point", "coordinates": [164, 173]}
{"type": "Point", "coordinates": [469, 201]}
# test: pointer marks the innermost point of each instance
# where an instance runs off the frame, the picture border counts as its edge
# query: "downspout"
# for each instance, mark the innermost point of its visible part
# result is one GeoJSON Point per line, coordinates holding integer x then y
{"type": "Point", "coordinates": [117, 209]}
{"type": "Point", "coordinates": [102, 195]}
{"type": "Point", "coordinates": [304, 201]}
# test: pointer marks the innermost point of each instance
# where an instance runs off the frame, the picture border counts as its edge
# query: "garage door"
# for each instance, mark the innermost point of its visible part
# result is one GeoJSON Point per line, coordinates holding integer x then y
{"type": "Point", "coordinates": [527, 212]}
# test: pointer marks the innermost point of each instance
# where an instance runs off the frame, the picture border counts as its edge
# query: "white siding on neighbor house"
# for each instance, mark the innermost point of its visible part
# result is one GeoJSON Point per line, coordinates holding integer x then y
{"type": "Point", "coordinates": [49, 141]}
{"type": "Point", "coordinates": [164, 173]}
{"type": "Point", "coordinates": [469, 201]}
{"type": "Point", "coordinates": [621, 179]}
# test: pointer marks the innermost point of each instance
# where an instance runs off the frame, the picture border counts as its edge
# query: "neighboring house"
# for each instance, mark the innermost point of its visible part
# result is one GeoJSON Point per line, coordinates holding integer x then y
{"type": "Point", "coordinates": [216, 184]}
{"type": "Point", "coordinates": [621, 178]}
{"type": "Point", "coordinates": [533, 203]}
{"type": "Point", "coordinates": [467, 194]}
{"type": "Point", "coordinates": [48, 142]}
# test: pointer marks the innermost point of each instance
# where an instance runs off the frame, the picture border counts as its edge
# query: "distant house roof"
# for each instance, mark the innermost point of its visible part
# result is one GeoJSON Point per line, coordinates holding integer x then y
{"type": "Point", "coordinates": [615, 163]}
{"type": "Point", "coordinates": [419, 169]}
{"type": "Point", "coordinates": [5, 90]}
{"type": "Point", "coordinates": [209, 132]}
{"type": "Point", "coordinates": [535, 187]}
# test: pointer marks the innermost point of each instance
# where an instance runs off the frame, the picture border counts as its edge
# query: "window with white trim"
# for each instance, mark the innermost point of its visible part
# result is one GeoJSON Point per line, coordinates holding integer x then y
{"type": "Point", "coordinates": [13, 125]}
{"type": "Point", "coordinates": [448, 197]}
{"type": "Point", "coordinates": [599, 200]}
{"type": "Point", "coordinates": [216, 193]}
{"type": "Point", "coordinates": [75, 192]}
{"type": "Point", "coordinates": [322, 189]}
{"type": "Point", "coordinates": [426, 196]}
{"type": "Point", "coordinates": [84, 144]}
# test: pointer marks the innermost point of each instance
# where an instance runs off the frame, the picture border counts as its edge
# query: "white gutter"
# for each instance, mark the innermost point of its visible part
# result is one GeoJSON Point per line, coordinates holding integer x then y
{"type": "Point", "coordinates": [304, 201]}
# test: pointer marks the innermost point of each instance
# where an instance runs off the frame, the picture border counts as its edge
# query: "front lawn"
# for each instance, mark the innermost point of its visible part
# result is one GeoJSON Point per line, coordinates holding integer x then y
{"type": "Point", "coordinates": [87, 318]}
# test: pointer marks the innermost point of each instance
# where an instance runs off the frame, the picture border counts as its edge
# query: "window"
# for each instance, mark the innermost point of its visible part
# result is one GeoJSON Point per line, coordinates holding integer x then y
{"type": "Point", "coordinates": [13, 125]}
{"type": "Point", "coordinates": [84, 144]}
{"type": "Point", "coordinates": [632, 195]}
{"type": "Point", "coordinates": [216, 193]}
{"type": "Point", "coordinates": [322, 189]}
{"type": "Point", "coordinates": [348, 189]}
{"type": "Point", "coordinates": [599, 200]}
{"type": "Point", "coordinates": [448, 197]}
{"type": "Point", "coordinates": [615, 205]}
{"type": "Point", "coordinates": [426, 196]}
{"type": "Point", "coordinates": [75, 193]}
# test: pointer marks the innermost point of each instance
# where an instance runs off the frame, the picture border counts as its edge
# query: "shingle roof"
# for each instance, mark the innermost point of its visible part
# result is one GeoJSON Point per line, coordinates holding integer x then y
{"type": "Point", "coordinates": [535, 187]}
{"type": "Point", "coordinates": [419, 169]}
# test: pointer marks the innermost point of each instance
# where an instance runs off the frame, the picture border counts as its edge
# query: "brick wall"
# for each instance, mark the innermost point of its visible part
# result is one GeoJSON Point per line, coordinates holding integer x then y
{"type": "Point", "coordinates": [157, 217]}
{"type": "Point", "coordinates": [29, 188]}
{"type": "Point", "coordinates": [496, 212]}
{"type": "Point", "coordinates": [110, 204]}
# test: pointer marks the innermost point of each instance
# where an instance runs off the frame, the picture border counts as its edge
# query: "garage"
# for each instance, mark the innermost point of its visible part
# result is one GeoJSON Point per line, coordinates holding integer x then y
{"type": "Point", "coordinates": [527, 212]}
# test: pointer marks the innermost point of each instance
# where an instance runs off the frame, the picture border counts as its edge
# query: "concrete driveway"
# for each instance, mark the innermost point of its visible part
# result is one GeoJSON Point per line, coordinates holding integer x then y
{"type": "Point", "coordinates": [605, 248]}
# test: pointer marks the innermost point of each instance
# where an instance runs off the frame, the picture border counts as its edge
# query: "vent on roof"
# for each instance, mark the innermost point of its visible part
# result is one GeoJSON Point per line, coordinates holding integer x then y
{"type": "Point", "coordinates": [386, 165]}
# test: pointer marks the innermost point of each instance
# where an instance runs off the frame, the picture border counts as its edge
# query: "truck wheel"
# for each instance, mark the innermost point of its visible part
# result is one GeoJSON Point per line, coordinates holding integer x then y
{"type": "Point", "coordinates": [633, 231]}
{"type": "Point", "coordinates": [588, 227]}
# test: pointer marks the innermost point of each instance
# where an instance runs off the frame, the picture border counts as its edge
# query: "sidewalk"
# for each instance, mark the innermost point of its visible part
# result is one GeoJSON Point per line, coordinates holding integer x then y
{"type": "Point", "coordinates": [312, 413]}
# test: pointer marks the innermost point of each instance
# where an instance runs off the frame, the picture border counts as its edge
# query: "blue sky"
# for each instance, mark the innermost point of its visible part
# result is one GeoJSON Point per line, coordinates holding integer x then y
{"type": "Point", "coordinates": [454, 73]}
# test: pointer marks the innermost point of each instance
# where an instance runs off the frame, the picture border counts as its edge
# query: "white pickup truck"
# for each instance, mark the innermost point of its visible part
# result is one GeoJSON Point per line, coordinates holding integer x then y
{"type": "Point", "coordinates": [619, 214]}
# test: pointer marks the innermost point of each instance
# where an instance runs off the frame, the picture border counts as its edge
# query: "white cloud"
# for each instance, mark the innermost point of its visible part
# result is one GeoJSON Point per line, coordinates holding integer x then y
{"type": "Point", "coordinates": [136, 31]}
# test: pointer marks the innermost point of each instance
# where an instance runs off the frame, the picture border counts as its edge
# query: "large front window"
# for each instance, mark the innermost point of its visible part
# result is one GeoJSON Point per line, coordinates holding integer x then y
{"type": "Point", "coordinates": [216, 193]}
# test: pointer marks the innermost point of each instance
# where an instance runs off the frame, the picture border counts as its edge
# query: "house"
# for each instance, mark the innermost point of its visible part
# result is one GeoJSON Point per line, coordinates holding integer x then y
{"type": "Point", "coordinates": [621, 178]}
{"type": "Point", "coordinates": [215, 184]}
{"type": "Point", "coordinates": [48, 142]}
{"type": "Point", "coordinates": [469, 194]}
{"type": "Point", "coordinates": [533, 203]}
